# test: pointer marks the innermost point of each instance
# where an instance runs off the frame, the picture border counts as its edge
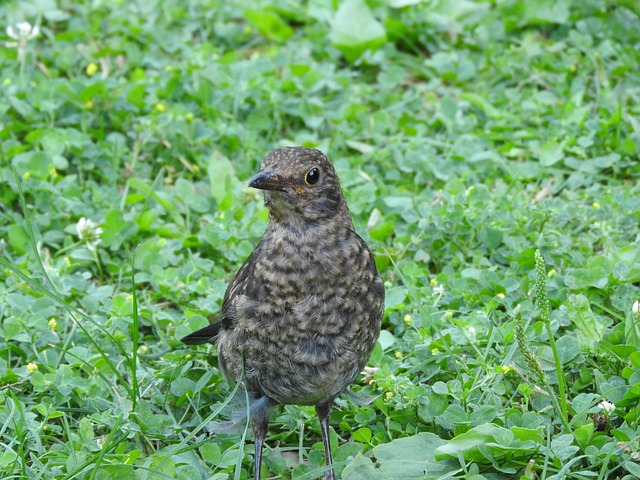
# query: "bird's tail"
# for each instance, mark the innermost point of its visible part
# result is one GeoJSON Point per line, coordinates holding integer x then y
{"type": "Point", "coordinates": [258, 411]}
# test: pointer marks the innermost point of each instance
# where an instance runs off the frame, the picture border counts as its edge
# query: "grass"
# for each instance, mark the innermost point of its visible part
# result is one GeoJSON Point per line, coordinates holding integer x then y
{"type": "Point", "coordinates": [489, 155]}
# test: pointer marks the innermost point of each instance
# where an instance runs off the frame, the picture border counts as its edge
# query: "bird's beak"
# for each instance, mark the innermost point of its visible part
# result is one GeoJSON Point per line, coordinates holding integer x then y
{"type": "Point", "coordinates": [268, 181]}
{"type": "Point", "coordinates": [272, 181]}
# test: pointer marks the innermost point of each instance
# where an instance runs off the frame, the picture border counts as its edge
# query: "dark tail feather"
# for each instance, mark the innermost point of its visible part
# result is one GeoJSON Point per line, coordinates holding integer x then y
{"type": "Point", "coordinates": [259, 410]}
{"type": "Point", "coordinates": [360, 398]}
{"type": "Point", "coordinates": [207, 334]}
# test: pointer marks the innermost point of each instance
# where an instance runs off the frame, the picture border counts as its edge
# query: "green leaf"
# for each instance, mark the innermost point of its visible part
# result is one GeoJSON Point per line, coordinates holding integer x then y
{"type": "Point", "coordinates": [583, 434]}
{"type": "Point", "coordinates": [221, 178]}
{"type": "Point", "coordinates": [550, 153]}
{"type": "Point", "coordinates": [386, 339]}
{"type": "Point", "coordinates": [588, 329]}
{"type": "Point", "coordinates": [568, 348]}
{"type": "Point", "coordinates": [481, 103]}
{"type": "Point", "coordinates": [354, 29]}
{"type": "Point", "coordinates": [524, 434]}
{"type": "Point", "coordinates": [468, 444]}
{"type": "Point", "coordinates": [595, 274]}
{"type": "Point", "coordinates": [116, 472]}
{"type": "Point", "coordinates": [269, 24]}
{"type": "Point", "coordinates": [362, 435]}
{"type": "Point", "coordinates": [18, 238]}
{"type": "Point", "coordinates": [632, 330]}
{"type": "Point", "coordinates": [405, 458]}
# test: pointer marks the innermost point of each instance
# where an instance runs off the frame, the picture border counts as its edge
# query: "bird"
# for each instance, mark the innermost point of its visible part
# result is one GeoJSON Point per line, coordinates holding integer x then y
{"type": "Point", "coordinates": [301, 316]}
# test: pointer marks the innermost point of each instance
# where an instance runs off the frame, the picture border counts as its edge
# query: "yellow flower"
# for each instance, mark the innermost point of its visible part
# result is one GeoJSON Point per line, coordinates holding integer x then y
{"type": "Point", "coordinates": [161, 107]}
{"type": "Point", "coordinates": [506, 368]}
{"type": "Point", "coordinates": [500, 296]}
{"type": "Point", "coordinates": [448, 314]}
{"type": "Point", "coordinates": [52, 323]}
{"type": "Point", "coordinates": [596, 205]}
{"type": "Point", "coordinates": [88, 104]}
{"type": "Point", "coordinates": [434, 282]}
{"type": "Point", "coordinates": [32, 367]}
{"type": "Point", "coordinates": [189, 116]}
{"type": "Point", "coordinates": [408, 320]}
{"type": "Point", "coordinates": [388, 396]}
{"type": "Point", "coordinates": [399, 355]}
{"type": "Point", "coordinates": [92, 68]}
{"type": "Point", "coordinates": [26, 175]}
{"type": "Point", "coordinates": [435, 351]}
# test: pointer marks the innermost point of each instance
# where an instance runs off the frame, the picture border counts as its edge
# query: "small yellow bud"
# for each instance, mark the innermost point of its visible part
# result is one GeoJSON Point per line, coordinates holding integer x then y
{"type": "Point", "coordinates": [92, 68]}
{"type": "Point", "coordinates": [26, 175]}
{"type": "Point", "coordinates": [596, 205]}
{"type": "Point", "coordinates": [399, 355]}
{"type": "Point", "coordinates": [52, 323]}
{"type": "Point", "coordinates": [188, 356]}
{"type": "Point", "coordinates": [434, 282]}
{"type": "Point", "coordinates": [189, 116]}
{"type": "Point", "coordinates": [448, 314]}
{"type": "Point", "coordinates": [161, 107]}
{"type": "Point", "coordinates": [506, 368]}
{"type": "Point", "coordinates": [435, 351]}
{"type": "Point", "coordinates": [500, 296]}
{"type": "Point", "coordinates": [88, 104]}
{"type": "Point", "coordinates": [388, 396]}
{"type": "Point", "coordinates": [32, 367]}
{"type": "Point", "coordinates": [408, 320]}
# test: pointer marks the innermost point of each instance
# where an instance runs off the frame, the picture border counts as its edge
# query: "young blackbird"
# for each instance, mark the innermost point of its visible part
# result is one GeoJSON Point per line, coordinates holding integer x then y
{"type": "Point", "coordinates": [302, 315]}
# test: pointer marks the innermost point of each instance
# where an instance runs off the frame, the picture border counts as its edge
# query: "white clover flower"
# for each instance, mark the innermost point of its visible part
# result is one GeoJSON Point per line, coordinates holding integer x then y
{"type": "Point", "coordinates": [635, 309]}
{"type": "Point", "coordinates": [21, 34]}
{"type": "Point", "coordinates": [606, 407]}
{"type": "Point", "coordinates": [439, 290]}
{"type": "Point", "coordinates": [89, 232]}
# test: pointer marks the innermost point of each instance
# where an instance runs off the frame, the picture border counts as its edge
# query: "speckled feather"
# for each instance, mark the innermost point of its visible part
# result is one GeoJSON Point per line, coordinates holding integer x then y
{"type": "Point", "coordinates": [302, 314]}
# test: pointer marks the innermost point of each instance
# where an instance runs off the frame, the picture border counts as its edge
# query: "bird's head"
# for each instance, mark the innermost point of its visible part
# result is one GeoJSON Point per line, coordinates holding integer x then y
{"type": "Point", "coordinates": [300, 185]}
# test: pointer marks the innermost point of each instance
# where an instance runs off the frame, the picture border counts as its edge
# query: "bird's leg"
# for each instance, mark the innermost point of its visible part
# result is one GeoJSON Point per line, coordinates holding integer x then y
{"type": "Point", "coordinates": [259, 427]}
{"type": "Point", "coordinates": [323, 412]}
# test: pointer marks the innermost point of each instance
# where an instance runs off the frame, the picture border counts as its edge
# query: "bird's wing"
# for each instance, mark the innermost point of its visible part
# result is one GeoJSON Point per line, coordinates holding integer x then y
{"type": "Point", "coordinates": [227, 318]}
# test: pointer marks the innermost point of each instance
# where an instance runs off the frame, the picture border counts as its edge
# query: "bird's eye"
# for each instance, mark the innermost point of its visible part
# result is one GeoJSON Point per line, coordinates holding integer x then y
{"type": "Point", "coordinates": [312, 176]}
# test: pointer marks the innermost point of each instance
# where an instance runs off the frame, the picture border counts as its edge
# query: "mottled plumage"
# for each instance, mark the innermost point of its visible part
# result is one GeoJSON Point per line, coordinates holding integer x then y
{"type": "Point", "coordinates": [302, 314]}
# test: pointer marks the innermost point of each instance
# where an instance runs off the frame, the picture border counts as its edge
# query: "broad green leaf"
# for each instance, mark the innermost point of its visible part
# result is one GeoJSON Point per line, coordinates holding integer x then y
{"type": "Point", "coordinates": [221, 178]}
{"type": "Point", "coordinates": [468, 444]}
{"type": "Point", "coordinates": [550, 153]}
{"type": "Point", "coordinates": [354, 29]}
{"type": "Point", "coordinates": [569, 347]}
{"type": "Point", "coordinates": [386, 339]}
{"type": "Point", "coordinates": [583, 434]}
{"type": "Point", "coordinates": [481, 103]}
{"type": "Point", "coordinates": [405, 458]}
{"type": "Point", "coordinates": [595, 273]}
{"type": "Point", "coordinates": [269, 24]}
{"type": "Point", "coordinates": [588, 329]}
{"type": "Point", "coordinates": [524, 434]}
{"type": "Point", "coordinates": [632, 330]}
{"type": "Point", "coordinates": [18, 238]}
